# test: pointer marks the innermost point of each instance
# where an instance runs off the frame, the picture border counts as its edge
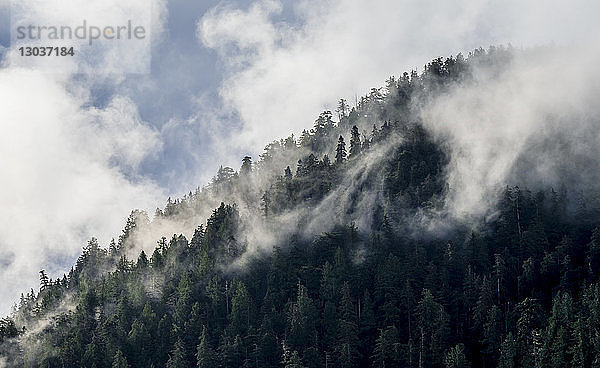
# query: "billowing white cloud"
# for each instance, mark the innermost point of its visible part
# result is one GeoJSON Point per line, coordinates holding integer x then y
{"type": "Point", "coordinates": [532, 124]}
{"type": "Point", "coordinates": [59, 182]}
{"type": "Point", "coordinates": [280, 73]}
{"type": "Point", "coordinates": [69, 170]}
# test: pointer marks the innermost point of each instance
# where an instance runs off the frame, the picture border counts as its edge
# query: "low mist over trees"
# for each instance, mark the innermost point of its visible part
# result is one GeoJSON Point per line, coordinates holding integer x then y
{"type": "Point", "coordinates": [333, 250]}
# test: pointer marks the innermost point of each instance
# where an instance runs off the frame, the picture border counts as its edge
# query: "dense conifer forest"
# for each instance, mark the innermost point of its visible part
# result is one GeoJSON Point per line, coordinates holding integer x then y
{"type": "Point", "coordinates": [333, 249]}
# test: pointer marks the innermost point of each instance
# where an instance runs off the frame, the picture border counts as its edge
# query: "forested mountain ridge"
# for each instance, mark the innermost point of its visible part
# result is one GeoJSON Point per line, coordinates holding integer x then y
{"type": "Point", "coordinates": [333, 250]}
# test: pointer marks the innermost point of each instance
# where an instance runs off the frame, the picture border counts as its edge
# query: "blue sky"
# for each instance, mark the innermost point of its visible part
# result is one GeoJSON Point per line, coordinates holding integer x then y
{"type": "Point", "coordinates": [182, 72]}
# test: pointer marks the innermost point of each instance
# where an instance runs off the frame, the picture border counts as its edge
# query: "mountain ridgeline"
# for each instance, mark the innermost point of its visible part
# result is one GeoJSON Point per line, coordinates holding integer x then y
{"type": "Point", "coordinates": [334, 249]}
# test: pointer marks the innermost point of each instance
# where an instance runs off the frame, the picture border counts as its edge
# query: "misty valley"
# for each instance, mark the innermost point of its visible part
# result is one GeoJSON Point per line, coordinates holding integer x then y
{"type": "Point", "coordinates": [381, 237]}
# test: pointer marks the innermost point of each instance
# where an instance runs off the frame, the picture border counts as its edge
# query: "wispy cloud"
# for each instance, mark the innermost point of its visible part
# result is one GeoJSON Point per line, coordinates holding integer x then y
{"type": "Point", "coordinates": [534, 124]}
{"type": "Point", "coordinates": [281, 73]}
{"type": "Point", "coordinates": [69, 170]}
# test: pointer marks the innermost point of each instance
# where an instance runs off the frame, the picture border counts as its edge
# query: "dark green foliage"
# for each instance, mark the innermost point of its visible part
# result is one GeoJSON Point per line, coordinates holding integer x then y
{"type": "Point", "coordinates": [340, 151]}
{"type": "Point", "coordinates": [119, 360]}
{"type": "Point", "coordinates": [455, 358]}
{"type": "Point", "coordinates": [8, 329]}
{"type": "Point", "coordinates": [348, 339]}
{"type": "Point", "coordinates": [386, 351]}
{"type": "Point", "coordinates": [355, 145]}
{"type": "Point", "coordinates": [246, 168]}
{"type": "Point", "coordinates": [177, 357]}
{"type": "Point", "coordinates": [301, 320]}
{"type": "Point", "coordinates": [415, 171]}
{"type": "Point", "coordinates": [291, 359]}
{"type": "Point", "coordinates": [205, 354]}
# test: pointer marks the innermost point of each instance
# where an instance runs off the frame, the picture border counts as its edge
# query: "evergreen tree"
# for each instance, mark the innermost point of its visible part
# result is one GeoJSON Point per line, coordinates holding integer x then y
{"type": "Point", "coordinates": [44, 280]}
{"type": "Point", "coordinates": [367, 325]}
{"type": "Point", "coordinates": [305, 139]}
{"type": "Point", "coordinates": [508, 352]}
{"type": "Point", "coordinates": [288, 174]}
{"type": "Point", "coordinates": [433, 326]}
{"type": "Point", "coordinates": [205, 355]}
{"type": "Point", "coordinates": [142, 261]}
{"type": "Point", "coordinates": [340, 155]}
{"type": "Point", "coordinates": [140, 341]}
{"type": "Point", "coordinates": [347, 342]}
{"type": "Point", "coordinates": [342, 109]}
{"type": "Point", "coordinates": [119, 360]}
{"type": "Point", "coordinates": [455, 358]}
{"type": "Point", "coordinates": [386, 352]}
{"type": "Point", "coordinates": [291, 359]}
{"type": "Point", "coordinates": [246, 168]}
{"type": "Point", "coordinates": [240, 309]}
{"type": "Point", "coordinates": [301, 320]}
{"type": "Point", "coordinates": [355, 145]}
{"type": "Point", "coordinates": [177, 357]}
{"type": "Point", "coordinates": [492, 334]}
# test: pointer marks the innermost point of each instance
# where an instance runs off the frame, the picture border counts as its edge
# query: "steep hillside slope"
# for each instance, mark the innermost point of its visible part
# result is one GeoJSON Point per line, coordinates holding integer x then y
{"type": "Point", "coordinates": [341, 247]}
